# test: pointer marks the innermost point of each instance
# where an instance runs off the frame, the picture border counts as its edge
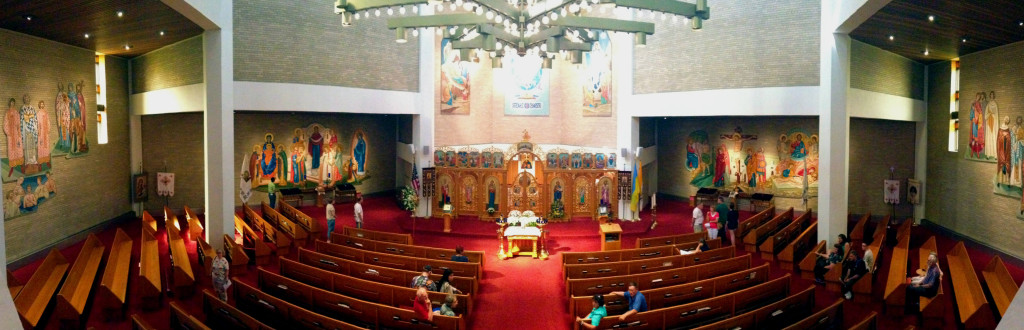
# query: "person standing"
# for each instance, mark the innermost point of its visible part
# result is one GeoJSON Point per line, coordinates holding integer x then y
{"type": "Point", "coordinates": [712, 224]}
{"type": "Point", "coordinates": [869, 257]}
{"type": "Point", "coordinates": [272, 193]}
{"type": "Point", "coordinates": [733, 223]}
{"type": "Point", "coordinates": [219, 271]}
{"type": "Point", "coordinates": [358, 209]}
{"type": "Point", "coordinates": [723, 212]}
{"type": "Point", "coordinates": [331, 216]}
{"type": "Point", "coordinates": [698, 219]}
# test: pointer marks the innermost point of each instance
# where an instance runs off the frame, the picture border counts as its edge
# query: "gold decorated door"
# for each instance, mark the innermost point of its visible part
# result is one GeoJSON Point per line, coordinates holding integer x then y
{"type": "Point", "coordinates": [525, 194]}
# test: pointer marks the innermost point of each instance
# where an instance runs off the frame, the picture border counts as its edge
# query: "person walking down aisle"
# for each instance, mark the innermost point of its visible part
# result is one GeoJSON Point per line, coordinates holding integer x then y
{"type": "Point", "coordinates": [219, 272]}
{"type": "Point", "coordinates": [272, 193]}
{"type": "Point", "coordinates": [358, 209]}
{"type": "Point", "coordinates": [331, 216]}
{"type": "Point", "coordinates": [732, 223]}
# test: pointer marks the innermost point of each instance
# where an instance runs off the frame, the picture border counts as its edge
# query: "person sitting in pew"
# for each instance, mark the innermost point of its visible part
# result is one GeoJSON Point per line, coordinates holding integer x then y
{"type": "Point", "coordinates": [926, 285]}
{"type": "Point", "coordinates": [423, 280]}
{"type": "Point", "coordinates": [596, 314]}
{"type": "Point", "coordinates": [449, 304]}
{"type": "Point", "coordinates": [825, 262]}
{"type": "Point", "coordinates": [445, 285]}
{"type": "Point", "coordinates": [634, 299]}
{"type": "Point", "coordinates": [458, 255]}
{"type": "Point", "coordinates": [844, 244]}
{"type": "Point", "coordinates": [701, 247]}
{"type": "Point", "coordinates": [869, 257]}
{"type": "Point", "coordinates": [422, 305]}
{"type": "Point", "coordinates": [853, 270]}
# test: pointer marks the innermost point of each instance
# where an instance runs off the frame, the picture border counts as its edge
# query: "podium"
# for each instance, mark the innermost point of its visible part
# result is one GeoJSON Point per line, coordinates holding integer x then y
{"type": "Point", "coordinates": [611, 237]}
{"type": "Point", "coordinates": [447, 218]}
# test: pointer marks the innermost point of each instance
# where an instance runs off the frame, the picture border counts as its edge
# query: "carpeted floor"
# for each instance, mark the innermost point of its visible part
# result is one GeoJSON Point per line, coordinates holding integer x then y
{"type": "Point", "coordinates": [524, 292]}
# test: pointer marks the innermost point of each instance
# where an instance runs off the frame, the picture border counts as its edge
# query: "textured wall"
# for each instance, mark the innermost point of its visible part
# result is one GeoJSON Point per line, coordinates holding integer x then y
{"type": "Point", "coordinates": [90, 189]}
{"type": "Point", "coordinates": [877, 70]}
{"type": "Point", "coordinates": [959, 191]}
{"type": "Point", "coordinates": [745, 44]}
{"type": "Point", "coordinates": [176, 65]}
{"type": "Point", "coordinates": [487, 123]}
{"type": "Point", "coordinates": [875, 145]}
{"type": "Point", "coordinates": [250, 129]}
{"type": "Point", "coordinates": [174, 143]}
{"type": "Point", "coordinates": [303, 42]}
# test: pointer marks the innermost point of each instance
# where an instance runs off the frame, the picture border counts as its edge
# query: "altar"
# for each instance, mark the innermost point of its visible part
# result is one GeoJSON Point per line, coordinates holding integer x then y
{"type": "Point", "coordinates": [524, 234]}
{"type": "Point", "coordinates": [522, 241]}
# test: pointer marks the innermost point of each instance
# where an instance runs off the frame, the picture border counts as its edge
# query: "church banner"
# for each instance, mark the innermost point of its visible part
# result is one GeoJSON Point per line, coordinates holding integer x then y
{"type": "Point", "coordinates": [527, 86]}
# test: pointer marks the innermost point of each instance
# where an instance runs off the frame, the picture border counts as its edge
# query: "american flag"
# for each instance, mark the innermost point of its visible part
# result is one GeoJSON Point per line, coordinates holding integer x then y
{"type": "Point", "coordinates": [415, 179]}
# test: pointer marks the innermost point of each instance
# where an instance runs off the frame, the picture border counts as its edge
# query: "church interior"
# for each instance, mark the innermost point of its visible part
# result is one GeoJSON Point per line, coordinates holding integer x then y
{"type": "Point", "coordinates": [534, 164]}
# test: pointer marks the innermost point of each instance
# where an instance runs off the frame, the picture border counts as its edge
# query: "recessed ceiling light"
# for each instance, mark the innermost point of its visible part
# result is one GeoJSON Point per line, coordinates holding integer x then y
{"type": "Point", "coordinates": [963, 40]}
{"type": "Point", "coordinates": [86, 35]}
{"type": "Point", "coordinates": [162, 33]}
{"type": "Point", "coordinates": [1021, 23]}
{"type": "Point", "coordinates": [129, 47]}
{"type": "Point", "coordinates": [28, 17]}
{"type": "Point", "coordinates": [120, 13]}
{"type": "Point", "coordinates": [925, 52]}
{"type": "Point", "coordinates": [931, 18]}
{"type": "Point", "coordinates": [892, 37]}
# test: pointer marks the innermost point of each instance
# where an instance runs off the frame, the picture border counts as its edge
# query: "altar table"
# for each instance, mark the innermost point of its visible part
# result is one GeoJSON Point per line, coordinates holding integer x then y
{"type": "Point", "coordinates": [521, 238]}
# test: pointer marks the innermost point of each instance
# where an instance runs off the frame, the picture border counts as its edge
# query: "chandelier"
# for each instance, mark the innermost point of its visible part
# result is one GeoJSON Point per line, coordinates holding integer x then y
{"type": "Point", "coordinates": [537, 27]}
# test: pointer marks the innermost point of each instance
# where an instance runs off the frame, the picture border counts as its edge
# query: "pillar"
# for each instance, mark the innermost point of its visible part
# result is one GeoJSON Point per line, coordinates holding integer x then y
{"type": "Point", "coordinates": [423, 122]}
{"type": "Point", "coordinates": [833, 128]}
{"type": "Point", "coordinates": [218, 127]}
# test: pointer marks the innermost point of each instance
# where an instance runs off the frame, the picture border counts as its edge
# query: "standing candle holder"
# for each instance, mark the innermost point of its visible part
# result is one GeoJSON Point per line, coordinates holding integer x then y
{"type": "Point", "coordinates": [543, 238]}
{"type": "Point", "coordinates": [501, 235]}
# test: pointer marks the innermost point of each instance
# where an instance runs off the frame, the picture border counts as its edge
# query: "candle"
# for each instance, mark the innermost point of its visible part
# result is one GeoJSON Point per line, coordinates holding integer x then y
{"type": "Point", "coordinates": [654, 200]}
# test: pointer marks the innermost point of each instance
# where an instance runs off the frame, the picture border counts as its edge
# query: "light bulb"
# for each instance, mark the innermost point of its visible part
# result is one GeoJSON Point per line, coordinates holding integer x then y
{"type": "Point", "coordinates": [377, 13]}
{"type": "Point", "coordinates": [416, 32]}
{"type": "Point", "coordinates": [401, 10]}
{"type": "Point", "coordinates": [391, 11]}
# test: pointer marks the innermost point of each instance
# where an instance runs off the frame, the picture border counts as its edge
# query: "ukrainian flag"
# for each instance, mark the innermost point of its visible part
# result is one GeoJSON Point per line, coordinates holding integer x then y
{"type": "Point", "coordinates": [638, 182]}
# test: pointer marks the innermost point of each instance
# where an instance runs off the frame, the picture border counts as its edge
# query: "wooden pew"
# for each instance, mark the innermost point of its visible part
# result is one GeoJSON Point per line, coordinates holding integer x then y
{"type": "Point", "coordinates": [1000, 284]}
{"type": "Point", "coordinates": [270, 231]}
{"type": "Point", "coordinates": [171, 224]}
{"type": "Point", "coordinates": [195, 225]}
{"type": "Point", "coordinates": [931, 308]}
{"type": "Point", "coordinates": [405, 250]}
{"type": "Point", "coordinates": [253, 242]}
{"type": "Point", "coordinates": [904, 229]}
{"type": "Point", "coordinates": [381, 293]}
{"type": "Point", "coordinates": [398, 277]}
{"type": "Point", "coordinates": [465, 269]}
{"type": "Point", "coordinates": [605, 269]}
{"type": "Point", "coordinates": [775, 315]}
{"type": "Point", "coordinates": [382, 236]}
{"type": "Point", "coordinates": [670, 240]}
{"type": "Point", "coordinates": [808, 262]}
{"type": "Point", "coordinates": [829, 318]}
{"type": "Point", "coordinates": [235, 255]}
{"type": "Point", "coordinates": [180, 319]}
{"type": "Point", "coordinates": [895, 295]}
{"type": "Point", "coordinates": [221, 315]}
{"type": "Point", "coordinates": [139, 324]}
{"type": "Point", "coordinates": [75, 291]}
{"type": "Point", "coordinates": [301, 219]}
{"type": "Point", "coordinates": [778, 242]}
{"type": "Point", "coordinates": [13, 284]}
{"type": "Point", "coordinates": [39, 290]}
{"type": "Point", "coordinates": [665, 297]}
{"type": "Point", "coordinates": [278, 313]}
{"type": "Point", "coordinates": [149, 222]}
{"type": "Point", "coordinates": [113, 290]}
{"type": "Point", "coordinates": [182, 277]}
{"type": "Point", "coordinates": [857, 234]}
{"type": "Point", "coordinates": [970, 298]}
{"type": "Point", "coordinates": [294, 233]}
{"type": "Point", "coordinates": [150, 287]}
{"type": "Point", "coordinates": [798, 248]}
{"type": "Point", "coordinates": [204, 253]}
{"type": "Point", "coordinates": [758, 235]}
{"type": "Point", "coordinates": [603, 285]}
{"type": "Point", "coordinates": [868, 323]}
{"type": "Point", "coordinates": [833, 277]}
{"type": "Point", "coordinates": [303, 295]}
{"type": "Point", "coordinates": [755, 221]}
{"type": "Point", "coordinates": [865, 285]}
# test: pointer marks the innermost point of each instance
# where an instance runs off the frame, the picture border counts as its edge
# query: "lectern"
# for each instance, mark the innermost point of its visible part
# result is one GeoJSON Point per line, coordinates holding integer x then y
{"type": "Point", "coordinates": [448, 218]}
{"type": "Point", "coordinates": [611, 237]}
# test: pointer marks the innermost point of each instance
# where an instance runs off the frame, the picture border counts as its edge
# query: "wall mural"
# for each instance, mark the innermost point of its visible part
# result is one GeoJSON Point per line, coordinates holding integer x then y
{"type": "Point", "coordinates": [455, 83]}
{"type": "Point", "coordinates": [312, 156]}
{"type": "Point", "coordinates": [27, 195]}
{"type": "Point", "coordinates": [597, 78]}
{"type": "Point", "coordinates": [28, 158]}
{"type": "Point", "coordinates": [1009, 158]}
{"type": "Point", "coordinates": [527, 86]}
{"type": "Point", "coordinates": [72, 137]}
{"type": "Point", "coordinates": [792, 171]}
{"type": "Point", "coordinates": [983, 119]}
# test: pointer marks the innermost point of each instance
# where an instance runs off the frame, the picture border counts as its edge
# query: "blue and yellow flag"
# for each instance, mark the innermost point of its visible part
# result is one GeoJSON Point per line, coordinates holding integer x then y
{"type": "Point", "coordinates": [638, 182]}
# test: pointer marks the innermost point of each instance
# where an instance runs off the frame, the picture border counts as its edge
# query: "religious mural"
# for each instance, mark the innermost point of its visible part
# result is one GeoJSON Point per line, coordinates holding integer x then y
{"type": "Point", "coordinates": [312, 155]}
{"type": "Point", "coordinates": [527, 86]}
{"type": "Point", "coordinates": [596, 76]}
{"type": "Point", "coordinates": [796, 173]}
{"type": "Point", "coordinates": [28, 158]}
{"type": "Point", "coordinates": [789, 171]}
{"type": "Point", "coordinates": [983, 120]}
{"type": "Point", "coordinates": [455, 83]}
{"type": "Point", "coordinates": [1009, 155]}
{"type": "Point", "coordinates": [26, 196]}
{"type": "Point", "coordinates": [72, 137]}
{"type": "Point", "coordinates": [698, 159]}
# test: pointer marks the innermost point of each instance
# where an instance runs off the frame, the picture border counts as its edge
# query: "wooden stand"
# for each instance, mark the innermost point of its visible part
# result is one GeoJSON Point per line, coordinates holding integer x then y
{"type": "Point", "coordinates": [611, 237]}
{"type": "Point", "coordinates": [447, 222]}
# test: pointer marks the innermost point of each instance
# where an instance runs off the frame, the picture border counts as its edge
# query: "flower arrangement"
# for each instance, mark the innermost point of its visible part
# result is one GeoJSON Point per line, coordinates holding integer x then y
{"type": "Point", "coordinates": [557, 210]}
{"type": "Point", "coordinates": [409, 199]}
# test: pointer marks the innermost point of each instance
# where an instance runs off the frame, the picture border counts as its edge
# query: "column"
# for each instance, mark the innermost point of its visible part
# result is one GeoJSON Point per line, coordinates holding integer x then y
{"type": "Point", "coordinates": [218, 127]}
{"type": "Point", "coordinates": [833, 129]}
{"type": "Point", "coordinates": [423, 122]}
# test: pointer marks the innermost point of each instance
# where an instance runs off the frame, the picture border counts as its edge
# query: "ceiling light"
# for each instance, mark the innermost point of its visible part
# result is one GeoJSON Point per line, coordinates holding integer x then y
{"type": "Point", "coordinates": [925, 52]}
{"type": "Point", "coordinates": [401, 36]}
{"type": "Point", "coordinates": [162, 33]}
{"type": "Point", "coordinates": [127, 46]}
{"type": "Point", "coordinates": [346, 18]}
{"type": "Point", "coordinates": [1021, 23]}
{"type": "Point", "coordinates": [120, 13]}
{"type": "Point", "coordinates": [86, 35]}
{"type": "Point", "coordinates": [640, 39]}
{"type": "Point", "coordinates": [963, 40]}
{"type": "Point", "coordinates": [892, 37]}
{"type": "Point", "coordinates": [931, 18]}
{"type": "Point", "coordinates": [28, 17]}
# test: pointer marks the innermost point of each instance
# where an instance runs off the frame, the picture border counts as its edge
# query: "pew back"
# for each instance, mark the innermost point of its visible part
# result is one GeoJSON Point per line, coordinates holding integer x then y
{"type": "Point", "coordinates": [404, 249]}
{"type": "Point", "coordinates": [75, 291]}
{"type": "Point", "coordinates": [857, 234]}
{"type": "Point", "coordinates": [828, 318]}
{"type": "Point", "coordinates": [778, 241]}
{"type": "Point", "coordinates": [970, 298]}
{"type": "Point", "coordinates": [195, 225]}
{"type": "Point", "coordinates": [896, 282]}
{"type": "Point", "coordinates": [183, 276]}
{"type": "Point", "coordinates": [148, 222]}
{"type": "Point", "coordinates": [180, 319]}
{"type": "Point", "coordinates": [641, 266]}
{"type": "Point", "coordinates": [114, 283]}
{"type": "Point", "coordinates": [301, 219]}
{"type": "Point", "coordinates": [235, 253]}
{"type": "Point", "coordinates": [808, 262]}
{"type": "Point", "coordinates": [799, 247]}
{"type": "Point", "coordinates": [647, 281]}
{"type": "Point", "coordinates": [221, 315]}
{"type": "Point", "coordinates": [149, 285]}
{"type": "Point", "coordinates": [293, 234]}
{"type": "Point", "coordinates": [1000, 284]}
{"type": "Point", "coordinates": [32, 301]}
{"type": "Point", "coordinates": [376, 273]}
{"type": "Point", "coordinates": [382, 236]}
{"type": "Point", "coordinates": [465, 269]}
{"type": "Point", "coordinates": [279, 313]}
{"type": "Point", "coordinates": [669, 240]}
{"type": "Point", "coordinates": [758, 235]}
{"type": "Point", "coordinates": [746, 226]}
{"type": "Point", "coordinates": [868, 323]}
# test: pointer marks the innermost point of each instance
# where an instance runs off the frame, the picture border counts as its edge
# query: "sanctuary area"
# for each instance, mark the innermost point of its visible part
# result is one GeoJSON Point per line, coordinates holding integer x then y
{"type": "Point", "coordinates": [512, 164]}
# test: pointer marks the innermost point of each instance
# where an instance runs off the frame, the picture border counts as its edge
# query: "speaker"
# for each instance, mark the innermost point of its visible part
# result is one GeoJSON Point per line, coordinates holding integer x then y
{"type": "Point", "coordinates": [625, 152]}
{"type": "Point", "coordinates": [426, 150]}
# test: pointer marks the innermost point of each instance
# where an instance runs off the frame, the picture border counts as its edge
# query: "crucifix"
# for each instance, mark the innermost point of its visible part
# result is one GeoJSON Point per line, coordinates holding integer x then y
{"type": "Point", "coordinates": [737, 137]}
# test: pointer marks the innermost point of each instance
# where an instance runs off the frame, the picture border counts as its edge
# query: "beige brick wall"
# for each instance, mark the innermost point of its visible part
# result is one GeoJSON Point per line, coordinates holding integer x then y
{"type": "Point", "coordinates": [877, 70]}
{"type": "Point", "coordinates": [303, 42]}
{"type": "Point", "coordinates": [875, 145]}
{"type": "Point", "coordinates": [175, 65]}
{"type": "Point", "coordinates": [745, 44]}
{"type": "Point", "coordinates": [959, 191]}
{"type": "Point", "coordinates": [250, 129]}
{"type": "Point", "coordinates": [487, 122]}
{"type": "Point", "coordinates": [174, 143]}
{"type": "Point", "coordinates": [90, 189]}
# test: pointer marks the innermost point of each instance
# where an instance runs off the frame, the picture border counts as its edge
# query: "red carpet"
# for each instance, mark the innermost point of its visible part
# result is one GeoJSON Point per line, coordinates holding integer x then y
{"type": "Point", "coordinates": [521, 292]}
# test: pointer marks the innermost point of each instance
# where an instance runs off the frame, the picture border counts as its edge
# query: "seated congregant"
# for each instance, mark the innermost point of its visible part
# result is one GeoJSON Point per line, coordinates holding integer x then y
{"type": "Point", "coordinates": [853, 270]}
{"type": "Point", "coordinates": [869, 257]}
{"type": "Point", "coordinates": [825, 262]}
{"type": "Point", "coordinates": [458, 255]}
{"type": "Point", "coordinates": [449, 304]}
{"type": "Point", "coordinates": [701, 247]}
{"type": "Point", "coordinates": [634, 300]}
{"type": "Point", "coordinates": [926, 285]}
{"type": "Point", "coordinates": [422, 305]}
{"type": "Point", "coordinates": [594, 318]}
{"type": "Point", "coordinates": [423, 280]}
